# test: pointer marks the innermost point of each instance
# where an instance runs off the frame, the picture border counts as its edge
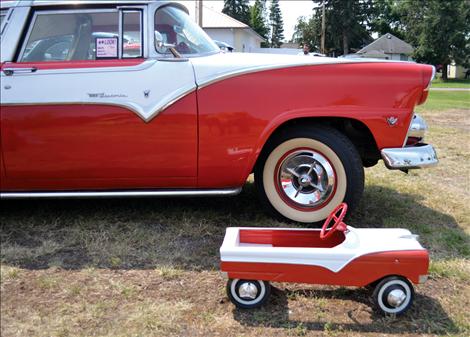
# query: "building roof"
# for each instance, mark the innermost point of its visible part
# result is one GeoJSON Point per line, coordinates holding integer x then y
{"type": "Point", "coordinates": [388, 44]}
{"type": "Point", "coordinates": [212, 19]}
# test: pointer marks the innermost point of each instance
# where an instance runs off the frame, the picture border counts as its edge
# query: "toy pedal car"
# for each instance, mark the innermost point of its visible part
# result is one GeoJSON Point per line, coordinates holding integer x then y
{"type": "Point", "coordinates": [390, 259]}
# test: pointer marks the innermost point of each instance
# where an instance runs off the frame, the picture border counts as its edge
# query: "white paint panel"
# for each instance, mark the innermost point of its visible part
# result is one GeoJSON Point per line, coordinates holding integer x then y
{"type": "Point", "coordinates": [165, 81]}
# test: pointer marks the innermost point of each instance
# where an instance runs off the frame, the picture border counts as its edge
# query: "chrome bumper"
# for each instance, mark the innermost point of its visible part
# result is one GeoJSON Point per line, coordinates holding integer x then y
{"type": "Point", "coordinates": [412, 157]}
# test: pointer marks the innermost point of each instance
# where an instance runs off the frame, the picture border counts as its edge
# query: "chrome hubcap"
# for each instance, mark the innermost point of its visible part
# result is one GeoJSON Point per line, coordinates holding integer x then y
{"type": "Point", "coordinates": [307, 178]}
{"type": "Point", "coordinates": [396, 297]}
{"type": "Point", "coordinates": [248, 290]}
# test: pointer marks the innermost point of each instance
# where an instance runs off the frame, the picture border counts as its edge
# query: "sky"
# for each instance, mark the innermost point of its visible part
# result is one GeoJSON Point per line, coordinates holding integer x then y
{"type": "Point", "coordinates": [291, 10]}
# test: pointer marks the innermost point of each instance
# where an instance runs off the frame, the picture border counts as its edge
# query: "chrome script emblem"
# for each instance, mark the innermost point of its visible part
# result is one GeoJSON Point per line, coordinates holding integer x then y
{"type": "Point", "coordinates": [105, 95]}
{"type": "Point", "coordinates": [392, 120]}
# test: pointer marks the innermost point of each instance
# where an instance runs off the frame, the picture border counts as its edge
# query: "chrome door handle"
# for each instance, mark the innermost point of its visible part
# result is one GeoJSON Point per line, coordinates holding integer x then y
{"type": "Point", "coordinates": [11, 71]}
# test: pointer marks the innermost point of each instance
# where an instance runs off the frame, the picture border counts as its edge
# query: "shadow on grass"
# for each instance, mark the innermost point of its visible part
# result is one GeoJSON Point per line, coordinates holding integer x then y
{"type": "Point", "coordinates": [185, 232]}
{"type": "Point", "coordinates": [426, 316]}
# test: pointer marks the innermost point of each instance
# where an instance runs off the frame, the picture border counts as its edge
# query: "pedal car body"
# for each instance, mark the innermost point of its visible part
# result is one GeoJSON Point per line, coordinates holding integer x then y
{"type": "Point", "coordinates": [394, 258]}
{"type": "Point", "coordinates": [357, 257]}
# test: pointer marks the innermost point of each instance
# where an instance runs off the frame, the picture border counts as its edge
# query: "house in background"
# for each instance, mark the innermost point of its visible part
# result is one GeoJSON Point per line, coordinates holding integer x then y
{"type": "Point", "coordinates": [224, 28]}
{"type": "Point", "coordinates": [456, 71]}
{"type": "Point", "coordinates": [388, 47]}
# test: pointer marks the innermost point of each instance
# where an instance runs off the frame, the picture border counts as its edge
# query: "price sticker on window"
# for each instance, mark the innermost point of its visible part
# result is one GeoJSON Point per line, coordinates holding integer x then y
{"type": "Point", "coordinates": [106, 47]}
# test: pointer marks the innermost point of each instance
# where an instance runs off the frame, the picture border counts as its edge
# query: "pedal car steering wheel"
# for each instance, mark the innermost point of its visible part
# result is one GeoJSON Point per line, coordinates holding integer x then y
{"type": "Point", "coordinates": [339, 225]}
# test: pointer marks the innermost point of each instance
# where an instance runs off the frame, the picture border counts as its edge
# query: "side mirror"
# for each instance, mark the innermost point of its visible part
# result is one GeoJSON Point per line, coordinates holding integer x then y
{"type": "Point", "coordinates": [163, 47]}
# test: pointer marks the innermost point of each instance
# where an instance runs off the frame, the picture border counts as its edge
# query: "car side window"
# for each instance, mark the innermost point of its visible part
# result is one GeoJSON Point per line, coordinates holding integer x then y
{"type": "Point", "coordinates": [83, 35]}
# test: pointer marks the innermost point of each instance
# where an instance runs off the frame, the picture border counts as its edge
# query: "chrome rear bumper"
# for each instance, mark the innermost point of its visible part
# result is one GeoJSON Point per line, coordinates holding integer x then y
{"type": "Point", "coordinates": [412, 157]}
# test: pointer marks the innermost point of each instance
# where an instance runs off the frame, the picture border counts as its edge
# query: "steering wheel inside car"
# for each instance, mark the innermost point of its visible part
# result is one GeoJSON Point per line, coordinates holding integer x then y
{"type": "Point", "coordinates": [339, 225]}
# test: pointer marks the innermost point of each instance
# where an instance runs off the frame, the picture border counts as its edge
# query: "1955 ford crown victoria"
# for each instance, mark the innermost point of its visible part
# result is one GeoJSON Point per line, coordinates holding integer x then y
{"type": "Point", "coordinates": [132, 98]}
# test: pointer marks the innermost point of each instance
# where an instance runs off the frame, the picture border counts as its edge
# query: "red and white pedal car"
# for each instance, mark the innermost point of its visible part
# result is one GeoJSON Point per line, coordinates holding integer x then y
{"type": "Point", "coordinates": [390, 259]}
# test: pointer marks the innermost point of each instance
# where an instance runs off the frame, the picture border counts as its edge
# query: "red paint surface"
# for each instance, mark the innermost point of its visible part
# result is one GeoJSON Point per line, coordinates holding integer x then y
{"type": "Point", "coordinates": [98, 146]}
{"type": "Point", "coordinates": [359, 272]}
{"type": "Point", "coordinates": [290, 238]}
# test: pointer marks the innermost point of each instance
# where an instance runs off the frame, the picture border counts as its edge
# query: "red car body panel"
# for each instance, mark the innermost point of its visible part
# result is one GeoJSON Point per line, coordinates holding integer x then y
{"type": "Point", "coordinates": [63, 147]}
{"type": "Point", "coordinates": [237, 115]}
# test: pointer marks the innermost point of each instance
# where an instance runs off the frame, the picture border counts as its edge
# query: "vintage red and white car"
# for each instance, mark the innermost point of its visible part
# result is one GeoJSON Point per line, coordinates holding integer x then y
{"type": "Point", "coordinates": [388, 259]}
{"type": "Point", "coordinates": [132, 98]}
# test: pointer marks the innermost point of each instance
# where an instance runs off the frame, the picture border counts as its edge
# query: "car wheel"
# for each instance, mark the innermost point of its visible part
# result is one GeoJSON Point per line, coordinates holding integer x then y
{"type": "Point", "coordinates": [304, 173]}
{"type": "Point", "coordinates": [393, 295]}
{"type": "Point", "coordinates": [248, 294]}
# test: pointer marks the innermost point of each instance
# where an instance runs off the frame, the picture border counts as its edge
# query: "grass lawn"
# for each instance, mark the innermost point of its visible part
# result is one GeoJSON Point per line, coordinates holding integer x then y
{"type": "Point", "coordinates": [446, 100]}
{"type": "Point", "coordinates": [149, 267]}
{"type": "Point", "coordinates": [450, 83]}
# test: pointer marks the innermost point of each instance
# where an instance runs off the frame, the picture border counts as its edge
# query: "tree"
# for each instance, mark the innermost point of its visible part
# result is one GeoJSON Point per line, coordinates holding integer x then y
{"type": "Point", "coordinates": [237, 9]}
{"type": "Point", "coordinates": [307, 32]}
{"type": "Point", "coordinates": [439, 30]}
{"type": "Point", "coordinates": [277, 25]}
{"type": "Point", "coordinates": [386, 18]}
{"type": "Point", "coordinates": [347, 25]}
{"type": "Point", "coordinates": [258, 19]}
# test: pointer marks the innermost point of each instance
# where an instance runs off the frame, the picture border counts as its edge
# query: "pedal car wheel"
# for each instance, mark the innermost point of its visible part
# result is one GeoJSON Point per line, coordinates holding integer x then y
{"type": "Point", "coordinates": [248, 294]}
{"type": "Point", "coordinates": [393, 295]}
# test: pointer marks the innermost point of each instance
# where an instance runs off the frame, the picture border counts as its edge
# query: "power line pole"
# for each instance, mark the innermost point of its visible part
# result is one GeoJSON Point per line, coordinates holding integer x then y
{"type": "Point", "coordinates": [323, 28]}
{"type": "Point", "coordinates": [199, 12]}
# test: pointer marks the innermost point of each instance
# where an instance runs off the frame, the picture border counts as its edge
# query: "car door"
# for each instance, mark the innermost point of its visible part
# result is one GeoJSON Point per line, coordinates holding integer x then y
{"type": "Point", "coordinates": [83, 107]}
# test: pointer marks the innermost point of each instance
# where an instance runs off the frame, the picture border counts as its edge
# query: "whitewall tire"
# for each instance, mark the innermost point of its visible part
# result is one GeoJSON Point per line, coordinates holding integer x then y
{"type": "Point", "coordinates": [303, 174]}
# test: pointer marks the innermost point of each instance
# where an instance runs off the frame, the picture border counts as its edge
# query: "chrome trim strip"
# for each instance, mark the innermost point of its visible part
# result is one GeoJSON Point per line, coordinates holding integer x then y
{"type": "Point", "coordinates": [412, 157]}
{"type": "Point", "coordinates": [432, 77]}
{"type": "Point", "coordinates": [122, 194]}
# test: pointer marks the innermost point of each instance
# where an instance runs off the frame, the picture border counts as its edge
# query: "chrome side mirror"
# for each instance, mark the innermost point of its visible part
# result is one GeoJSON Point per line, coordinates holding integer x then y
{"type": "Point", "coordinates": [163, 47]}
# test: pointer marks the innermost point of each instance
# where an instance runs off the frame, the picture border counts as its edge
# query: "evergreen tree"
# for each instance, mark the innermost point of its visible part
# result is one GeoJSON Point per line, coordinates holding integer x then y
{"type": "Point", "coordinates": [277, 25]}
{"type": "Point", "coordinates": [237, 9]}
{"type": "Point", "coordinates": [258, 19]}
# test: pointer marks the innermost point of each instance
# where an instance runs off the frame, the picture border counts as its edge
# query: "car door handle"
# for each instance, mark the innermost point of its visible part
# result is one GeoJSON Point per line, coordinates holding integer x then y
{"type": "Point", "coordinates": [11, 71]}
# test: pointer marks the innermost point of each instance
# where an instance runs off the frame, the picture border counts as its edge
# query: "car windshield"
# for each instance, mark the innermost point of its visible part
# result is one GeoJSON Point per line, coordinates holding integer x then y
{"type": "Point", "coordinates": [177, 28]}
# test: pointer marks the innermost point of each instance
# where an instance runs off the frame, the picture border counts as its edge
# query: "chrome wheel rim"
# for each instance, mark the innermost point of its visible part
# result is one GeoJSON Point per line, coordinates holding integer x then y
{"type": "Point", "coordinates": [394, 296]}
{"type": "Point", "coordinates": [306, 178]}
{"type": "Point", "coordinates": [248, 292]}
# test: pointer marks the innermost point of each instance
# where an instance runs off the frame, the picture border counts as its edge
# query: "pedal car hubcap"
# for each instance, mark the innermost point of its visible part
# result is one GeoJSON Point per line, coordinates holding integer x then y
{"type": "Point", "coordinates": [248, 290]}
{"type": "Point", "coordinates": [306, 178]}
{"type": "Point", "coordinates": [396, 297]}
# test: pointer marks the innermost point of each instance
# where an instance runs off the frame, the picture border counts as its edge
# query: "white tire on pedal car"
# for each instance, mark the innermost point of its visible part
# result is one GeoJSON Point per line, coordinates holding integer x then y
{"type": "Point", "coordinates": [393, 295]}
{"type": "Point", "coordinates": [248, 294]}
